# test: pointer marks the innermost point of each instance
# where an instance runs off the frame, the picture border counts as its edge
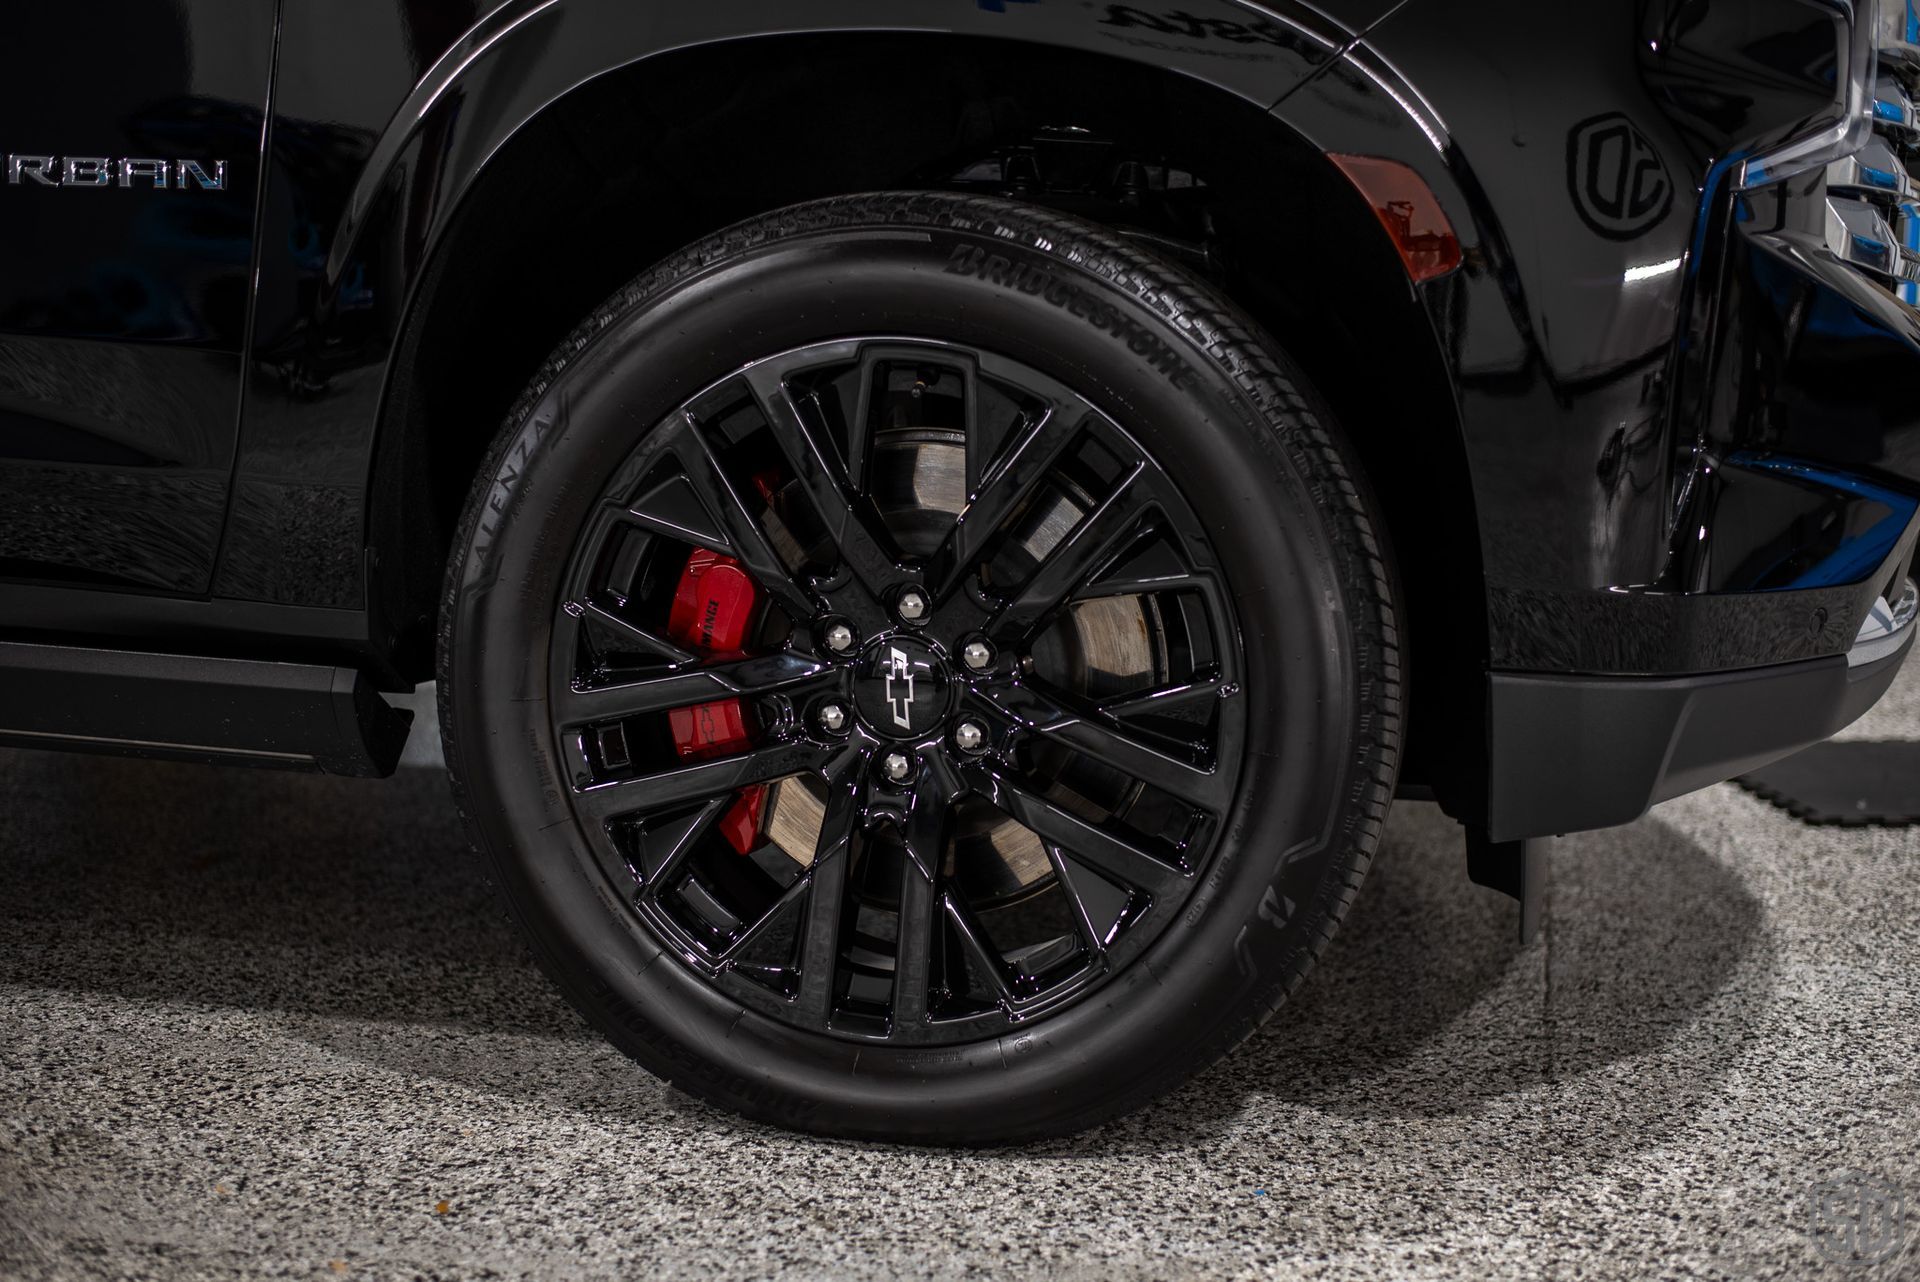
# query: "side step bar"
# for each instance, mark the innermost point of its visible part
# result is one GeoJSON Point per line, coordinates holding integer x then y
{"type": "Point", "coordinates": [288, 716]}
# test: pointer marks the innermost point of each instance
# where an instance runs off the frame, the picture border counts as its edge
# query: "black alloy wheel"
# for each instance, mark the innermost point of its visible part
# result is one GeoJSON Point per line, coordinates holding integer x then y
{"type": "Point", "coordinates": [973, 821]}
{"type": "Point", "coordinates": [960, 713]}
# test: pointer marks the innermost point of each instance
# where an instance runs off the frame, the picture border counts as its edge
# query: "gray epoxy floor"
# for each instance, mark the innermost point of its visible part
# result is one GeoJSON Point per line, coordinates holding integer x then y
{"type": "Point", "coordinates": [266, 1025]}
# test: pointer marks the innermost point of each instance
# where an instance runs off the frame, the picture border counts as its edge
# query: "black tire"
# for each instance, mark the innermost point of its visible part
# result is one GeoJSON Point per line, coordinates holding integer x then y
{"type": "Point", "coordinates": [1216, 408]}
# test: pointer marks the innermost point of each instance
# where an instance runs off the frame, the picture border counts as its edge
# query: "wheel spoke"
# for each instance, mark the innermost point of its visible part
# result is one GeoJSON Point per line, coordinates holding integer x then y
{"type": "Point", "coordinates": [674, 509]}
{"type": "Point", "coordinates": [1150, 563]}
{"type": "Point", "coordinates": [746, 541]}
{"type": "Point", "coordinates": [1101, 845]}
{"type": "Point", "coordinates": [980, 950]}
{"type": "Point", "coordinates": [673, 841]}
{"type": "Point", "coordinates": [1084, 925]}
{"type": "Point", "coordinates": [827, 900]}
{"type": "Point", "coordinates": [601, 802]}
{"type": "Point", "coordinates": [860, 421]}
{"type": "Point", "coordinates": [1206, 788]}
{"type": "Point", "coordinates": [1165, 701]}
{"type": "Point", "coordinates": [1122, 585]}
{"type": "Point", "coordinates": [789, 899]}
{"type": "Point", "coordinates": [918, 936]}
{"type": "Point", "coordinates": [632, 633]}
{"type": "Point", "coordinates": [1078, 557]}
{"type": "Point", "coordinates": [1087, 731]}
{"type": "Point", "coordinates": [759, 675]}
{"type": "Point", "coordinates": [1005, 486]}
{"type": "Point", "coordinates": [855, 529]}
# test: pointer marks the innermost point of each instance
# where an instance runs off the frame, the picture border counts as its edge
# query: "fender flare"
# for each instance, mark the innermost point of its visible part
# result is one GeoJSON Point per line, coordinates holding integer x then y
{"type": "Point", "coordinates": [525, 55]}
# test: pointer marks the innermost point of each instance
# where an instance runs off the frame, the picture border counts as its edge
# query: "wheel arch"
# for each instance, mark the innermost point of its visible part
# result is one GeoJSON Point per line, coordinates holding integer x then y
{"type": "Point", "coordinates": [553, 228]}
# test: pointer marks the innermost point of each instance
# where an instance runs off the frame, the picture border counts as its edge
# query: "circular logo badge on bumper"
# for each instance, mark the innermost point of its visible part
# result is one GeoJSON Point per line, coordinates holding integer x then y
{"type": "Point", "coordinates": [901, 690]}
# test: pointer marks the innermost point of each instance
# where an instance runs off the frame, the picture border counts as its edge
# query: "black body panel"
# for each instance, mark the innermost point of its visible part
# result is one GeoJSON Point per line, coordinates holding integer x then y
{"type": "Point", "coordinates": [369, 173]}
{"type": "Point", "coordinates": [123, 308]}
{"type": "Point", "coordinates": [1580, 334]}
{"type": "Point", "coordinates": [1592, 752]}
{"type": "Point", "coordinates": [1646, 429]}
{"type": "Point", "coordinates": [286, 716]}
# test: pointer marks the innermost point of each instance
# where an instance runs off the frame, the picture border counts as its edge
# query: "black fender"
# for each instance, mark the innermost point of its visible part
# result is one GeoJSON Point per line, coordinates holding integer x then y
{"type": "Point", "coordinates": [1593, 201]}
{"type": "Point", "coordinates": [1569, 348]}
{"type": "Point", "coordinates": [525, 55]}
{"type": "Point", "coordinates": [1557, 334]}
{"type": "Point", "coordinates": [331, 352]}
{"type": "Point", "coordinates": [365, 174]}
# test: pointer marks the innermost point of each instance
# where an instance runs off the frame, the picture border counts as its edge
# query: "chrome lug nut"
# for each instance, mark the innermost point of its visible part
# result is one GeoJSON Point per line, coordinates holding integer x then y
{"type": "Point", "coordinates": [912, 605]}
{"type": "Point", "coordinates": [839, 638]}
{"type": "Point", "coordinates": [977, 654]}
{"type": "Point", "coordinates": [896, 767]}
{"type": "Point", "coordinates": [833, 718]}
{"type": "Point", "coordinates": [970, 736]}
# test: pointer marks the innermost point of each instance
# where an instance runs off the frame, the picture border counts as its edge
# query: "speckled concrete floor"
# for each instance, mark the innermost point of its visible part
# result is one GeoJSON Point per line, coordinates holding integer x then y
{"type": "Point", "coordinates": [257, 1025]}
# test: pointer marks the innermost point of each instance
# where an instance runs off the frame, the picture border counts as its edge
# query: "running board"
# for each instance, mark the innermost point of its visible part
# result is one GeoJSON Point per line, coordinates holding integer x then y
{"type": "Point", "coordinates": [243, 712]}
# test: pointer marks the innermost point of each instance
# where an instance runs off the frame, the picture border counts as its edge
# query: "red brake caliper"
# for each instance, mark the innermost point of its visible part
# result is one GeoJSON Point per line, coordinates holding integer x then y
{"type": "Point", "coordinates": [712, 608]}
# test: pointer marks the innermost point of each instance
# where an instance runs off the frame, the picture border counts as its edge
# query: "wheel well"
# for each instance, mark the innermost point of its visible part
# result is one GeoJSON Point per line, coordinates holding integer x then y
{"type": "Point", "coordinates": [554, 226]}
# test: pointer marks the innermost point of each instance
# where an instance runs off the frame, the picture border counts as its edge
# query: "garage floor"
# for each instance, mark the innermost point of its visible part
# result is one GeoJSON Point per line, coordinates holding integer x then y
{"type": "Point", "coordinates": [263, 1025]}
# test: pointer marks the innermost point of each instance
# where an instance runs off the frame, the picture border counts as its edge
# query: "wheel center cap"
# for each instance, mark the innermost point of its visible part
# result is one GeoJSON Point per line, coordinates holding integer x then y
{"type": "Point", "coordinates": [901, 688]}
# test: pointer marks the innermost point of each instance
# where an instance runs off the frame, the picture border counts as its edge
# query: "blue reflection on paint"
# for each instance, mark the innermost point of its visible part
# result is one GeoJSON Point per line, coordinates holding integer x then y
{"type": "Point", "coordinates": [1858, 555]}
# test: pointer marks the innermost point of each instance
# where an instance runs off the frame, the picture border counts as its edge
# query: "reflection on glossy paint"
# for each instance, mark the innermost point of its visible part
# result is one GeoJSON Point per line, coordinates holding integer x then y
{"type": "Point", "coordinates": [123, 305]}
{"type": "Point", "coordinates": [1651, 270]}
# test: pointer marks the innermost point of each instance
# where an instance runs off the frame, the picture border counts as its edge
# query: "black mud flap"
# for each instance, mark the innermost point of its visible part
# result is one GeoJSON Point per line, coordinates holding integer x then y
{"type": "Point", "coordinates": [1516, 868]}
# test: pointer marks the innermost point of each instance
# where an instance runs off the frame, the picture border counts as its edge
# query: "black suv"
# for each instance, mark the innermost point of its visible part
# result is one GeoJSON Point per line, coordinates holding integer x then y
{"type": "Point", "coordinates": [941, 527]}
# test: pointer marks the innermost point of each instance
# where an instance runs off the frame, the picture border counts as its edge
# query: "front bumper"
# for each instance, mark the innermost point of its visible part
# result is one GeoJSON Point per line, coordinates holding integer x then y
{"type": "Point", "coordinates": [1786, 605]}
{"type": "Point", "coordinates": [1576, 752]}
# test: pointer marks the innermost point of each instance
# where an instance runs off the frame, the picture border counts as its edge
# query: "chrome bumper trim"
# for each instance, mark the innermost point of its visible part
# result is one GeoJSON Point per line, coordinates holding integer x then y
{"type": "Point", "coordinates": [1887, 627]}
{"type": "Point", "coordinates": [1852, 123]}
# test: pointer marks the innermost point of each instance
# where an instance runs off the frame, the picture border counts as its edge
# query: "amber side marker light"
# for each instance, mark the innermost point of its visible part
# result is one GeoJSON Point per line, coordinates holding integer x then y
{"type": "Point", "coordinates": [1409, 211]}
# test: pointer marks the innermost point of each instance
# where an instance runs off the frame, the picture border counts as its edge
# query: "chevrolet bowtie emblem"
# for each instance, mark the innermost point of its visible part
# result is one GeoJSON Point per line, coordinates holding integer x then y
{"type": "Point", "coordinates": [900, 687]}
